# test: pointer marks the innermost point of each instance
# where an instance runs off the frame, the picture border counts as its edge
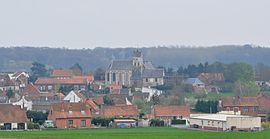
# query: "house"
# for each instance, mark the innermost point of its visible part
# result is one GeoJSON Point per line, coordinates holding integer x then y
{"type": "Point", "coordinates": [115, 89]}
{"type": "Point", "coordinates": [264, 106]}
{"type": "Point", "coordinates": [20, 79]}
{"type": "Point", "coordinates": [30, 91]}
{"type": "Point", "coordinates": [150, 92]}
{"type": "Point", "coordinates": [62, 74]}
{"type": "Point", "coordinates": [170, 112]}
{"type": "Point", "coordinates": [225, 122]}
{"type": "Point", "coordinates": [51, 84]}
{"type": "Point", "coordinates": [88, 78]}
{"type": "Point", "coordinates": [132, 72]}
{"type": "Point", "coordinates": [75, 96]}
{"type": "Point", "coordinates": [43, 101]}
{"type": "Point", "coordinates": [23, 103]}
{"type": "Point", "coordinates": [3, 97]}
{"type": "Point", "coordinates": [126, 111]}
{"type": "Point", "coordinates": [209, 78]}
{"type": "Point", "coordinates": [6, 83]}
{"type": "Point", "coordinates": [93, 107]}
{"type": "Point", "coordinates": [70, 115]}
{"type": "Point", "coordinates": [197, 84]}
{"type": "Point", "coordinates": [12, 117]}
{"type": "Point", "coordinates": [246, 105]}
{"type": "Point", "coordinates": [153, 77]}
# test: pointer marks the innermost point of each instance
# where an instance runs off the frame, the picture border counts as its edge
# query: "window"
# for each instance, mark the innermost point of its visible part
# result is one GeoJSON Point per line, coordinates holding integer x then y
{"type": "Point", "coordinates": [245, 109]}
{"type": "Point", "coordinates": [114, 77]}
{"type": "Point", "coordinates": [70, 112]}
{"type": "Point", "coordinates": [108, 77]}
{"type": "Point", "coordinates": [83, 123]}
{"type": "Point", "coordinates": [49, 87]}
{"type": "Point", "coordinates": [156, 79]}
{"type": "Point", "coordinates": [254, 109]}
{"type": "Point", "coordinates": [146, 80]}
{"type": "Point", "coordinates": [70, 122]}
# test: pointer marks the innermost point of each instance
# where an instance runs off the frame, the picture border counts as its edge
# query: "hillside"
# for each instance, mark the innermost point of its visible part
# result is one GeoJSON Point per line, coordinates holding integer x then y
{"type": "Point", "coordinates": [20, 58]}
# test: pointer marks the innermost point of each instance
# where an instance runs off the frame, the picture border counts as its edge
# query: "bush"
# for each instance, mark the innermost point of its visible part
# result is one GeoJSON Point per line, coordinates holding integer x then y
{"type": "Point", "coordinates": [37, 117]}
{"type": "Point", "coordinates": [178, 122]}
{"type": "Point", "coordinates": [156, 122]}
{"type": "Point", "coordinates": [2, 127]}
{"type": "Point", "coordinates": [31, 125]}
{"type": "Point", "coordinates": [102, 121]}
{"type": "Point", "coordinates": [266, 125]}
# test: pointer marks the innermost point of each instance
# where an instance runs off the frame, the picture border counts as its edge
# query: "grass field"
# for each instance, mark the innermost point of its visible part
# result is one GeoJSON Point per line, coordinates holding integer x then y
{"type": "Point", "coordinates": [134, 133]}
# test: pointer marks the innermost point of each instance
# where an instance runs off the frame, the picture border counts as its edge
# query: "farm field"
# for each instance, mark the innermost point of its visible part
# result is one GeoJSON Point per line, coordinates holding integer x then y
{"type": "Point", "coordinates": [134, 133]}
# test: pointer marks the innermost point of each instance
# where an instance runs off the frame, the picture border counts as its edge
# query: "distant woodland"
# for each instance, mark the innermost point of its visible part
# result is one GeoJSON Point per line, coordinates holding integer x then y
{"type": "Point", "coordinates": [21, 58]}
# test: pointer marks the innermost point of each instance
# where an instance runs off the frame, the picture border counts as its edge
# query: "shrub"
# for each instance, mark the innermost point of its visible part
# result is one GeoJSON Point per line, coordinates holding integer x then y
{"type": "Point", "coordinates": [102, 121]}
{"type": "Point", "coordinates": [266, 125]}
{"type": "Point", "coordinates": [178, 122]}
{"type": "Point", "coordinates": [31, 125]}
{"type": "Point", "coordinates": [156, 122]}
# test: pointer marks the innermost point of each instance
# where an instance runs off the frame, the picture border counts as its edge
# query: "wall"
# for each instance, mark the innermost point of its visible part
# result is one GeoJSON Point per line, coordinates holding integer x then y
{"type": "Point", "coordinates": [244, 122]}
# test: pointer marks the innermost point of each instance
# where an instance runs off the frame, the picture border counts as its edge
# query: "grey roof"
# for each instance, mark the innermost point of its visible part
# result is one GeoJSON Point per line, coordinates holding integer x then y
{"type": "Point", "coordinates": [148, 65]}
{"type": "Point", "coordinates": [153, 73]}
{"type": "Point", "coordinates": [121, 65]}
{"type": "Point", "coordinates": [193, 81]}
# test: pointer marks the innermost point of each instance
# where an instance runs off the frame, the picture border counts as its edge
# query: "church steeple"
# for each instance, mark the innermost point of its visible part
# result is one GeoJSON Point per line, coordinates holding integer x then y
{"type": "Point", "coordinates": [137, 58]}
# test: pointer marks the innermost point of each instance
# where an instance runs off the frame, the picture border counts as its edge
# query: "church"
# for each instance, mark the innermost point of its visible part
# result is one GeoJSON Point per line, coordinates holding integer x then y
{"type": "Point", "coordinates": [134, 72]}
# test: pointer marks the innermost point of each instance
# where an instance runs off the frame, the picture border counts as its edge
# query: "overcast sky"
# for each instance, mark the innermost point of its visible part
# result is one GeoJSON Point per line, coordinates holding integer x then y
{"type": "Point", "coordinates": [133, 23]}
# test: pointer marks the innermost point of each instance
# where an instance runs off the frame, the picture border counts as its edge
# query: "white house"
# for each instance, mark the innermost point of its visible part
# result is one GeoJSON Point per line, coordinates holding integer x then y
{"type": "Point", "coordinates": [74, 97]}
{"type": "Point", "coordinates": [151, 92]}
{"type": "Point", "coordinates": [24, 103]}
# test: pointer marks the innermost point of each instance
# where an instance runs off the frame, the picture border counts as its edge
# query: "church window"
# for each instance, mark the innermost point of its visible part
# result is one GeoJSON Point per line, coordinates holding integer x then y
{"type": "Point", "coordinates": [114, 77]}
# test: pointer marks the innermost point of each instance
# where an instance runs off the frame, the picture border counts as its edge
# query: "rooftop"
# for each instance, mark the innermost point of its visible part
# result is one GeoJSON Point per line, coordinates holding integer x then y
{"type": "Point", "coordinates": [216, 117]}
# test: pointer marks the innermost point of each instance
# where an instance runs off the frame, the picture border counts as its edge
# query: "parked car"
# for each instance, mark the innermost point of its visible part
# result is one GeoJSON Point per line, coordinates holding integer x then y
{"type": "Point", "coordinates": [49, 124]}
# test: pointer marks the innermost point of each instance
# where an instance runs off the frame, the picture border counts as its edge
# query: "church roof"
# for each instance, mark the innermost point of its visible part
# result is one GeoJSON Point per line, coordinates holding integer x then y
{"type": "Point", "coordinates": [121, 65]}
{"type": "Point", "coordinates": [153, 73]}
{"type": "Point", "coordinates": [148, 65]}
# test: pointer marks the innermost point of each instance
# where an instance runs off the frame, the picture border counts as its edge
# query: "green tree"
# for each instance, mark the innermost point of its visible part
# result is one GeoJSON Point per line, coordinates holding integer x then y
{"type": "Point", "coordinates": [108, 101]}
{"type": "Point", "coordinates": [155, 99]}
{"type": "Point", "coordinates": [38, 70]}
{"type": "Point", "coordinates": [246, 88]}
{"type": "Point", "coordinates": [240, 72]}
{"type": "Point", "coordinates": [37, 117]}
{"type": "Point", "coordinates": [10, 93]}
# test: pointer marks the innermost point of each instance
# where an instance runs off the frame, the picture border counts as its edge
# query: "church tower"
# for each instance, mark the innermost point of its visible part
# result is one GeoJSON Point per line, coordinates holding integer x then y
{"type": "Point", "coordinates": [137, 59]}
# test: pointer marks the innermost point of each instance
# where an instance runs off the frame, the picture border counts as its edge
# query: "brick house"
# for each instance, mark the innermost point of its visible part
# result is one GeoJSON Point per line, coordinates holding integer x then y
{"type": "Point", "coordinates": [127, 111]}
{"type": "Point", "coordinates": [246, 105]}
{"type": "Point", "coordinates": [51, 84]}
{"type": "Point", "coordinates": [170, 112]}
{"type": "Point", "coordinates": [62, 74]}
{"type": "Point", "coordinates": [12, 117]}
{"type": "Point", "coordinates": [70, 115]}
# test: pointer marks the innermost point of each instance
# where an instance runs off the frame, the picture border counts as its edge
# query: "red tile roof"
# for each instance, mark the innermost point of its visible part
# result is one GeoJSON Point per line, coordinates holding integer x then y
{"type": "Point", "coordinates": [91, 103]}
{"type": "Point", "coordinates": [99, 99]}
{"type": "Point", "coordinates": [62, 73]}
{"type": "Point", "coordinates": [162, 110]}
{"type": "Point", "coordinates": [12, 114]}
{"type": "Point", "coordinates": [52, 81]}
{"type": "Point", "coordinates": [264, 102]}
{"type": "Point", "coordinates": [239, 101]}
{"type": "Point", "coordinates": [120, 111]}
{"type": "Point", "coordinates": [89, 78]}
{"type": "Point", "coordinates": [69, 110]}
{"type": "Point", "coordinates": [30, 89]}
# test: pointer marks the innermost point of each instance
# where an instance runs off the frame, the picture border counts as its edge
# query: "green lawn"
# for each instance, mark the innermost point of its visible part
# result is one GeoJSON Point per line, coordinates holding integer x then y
{"type": "Point", "coordinates": [134, 133]}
